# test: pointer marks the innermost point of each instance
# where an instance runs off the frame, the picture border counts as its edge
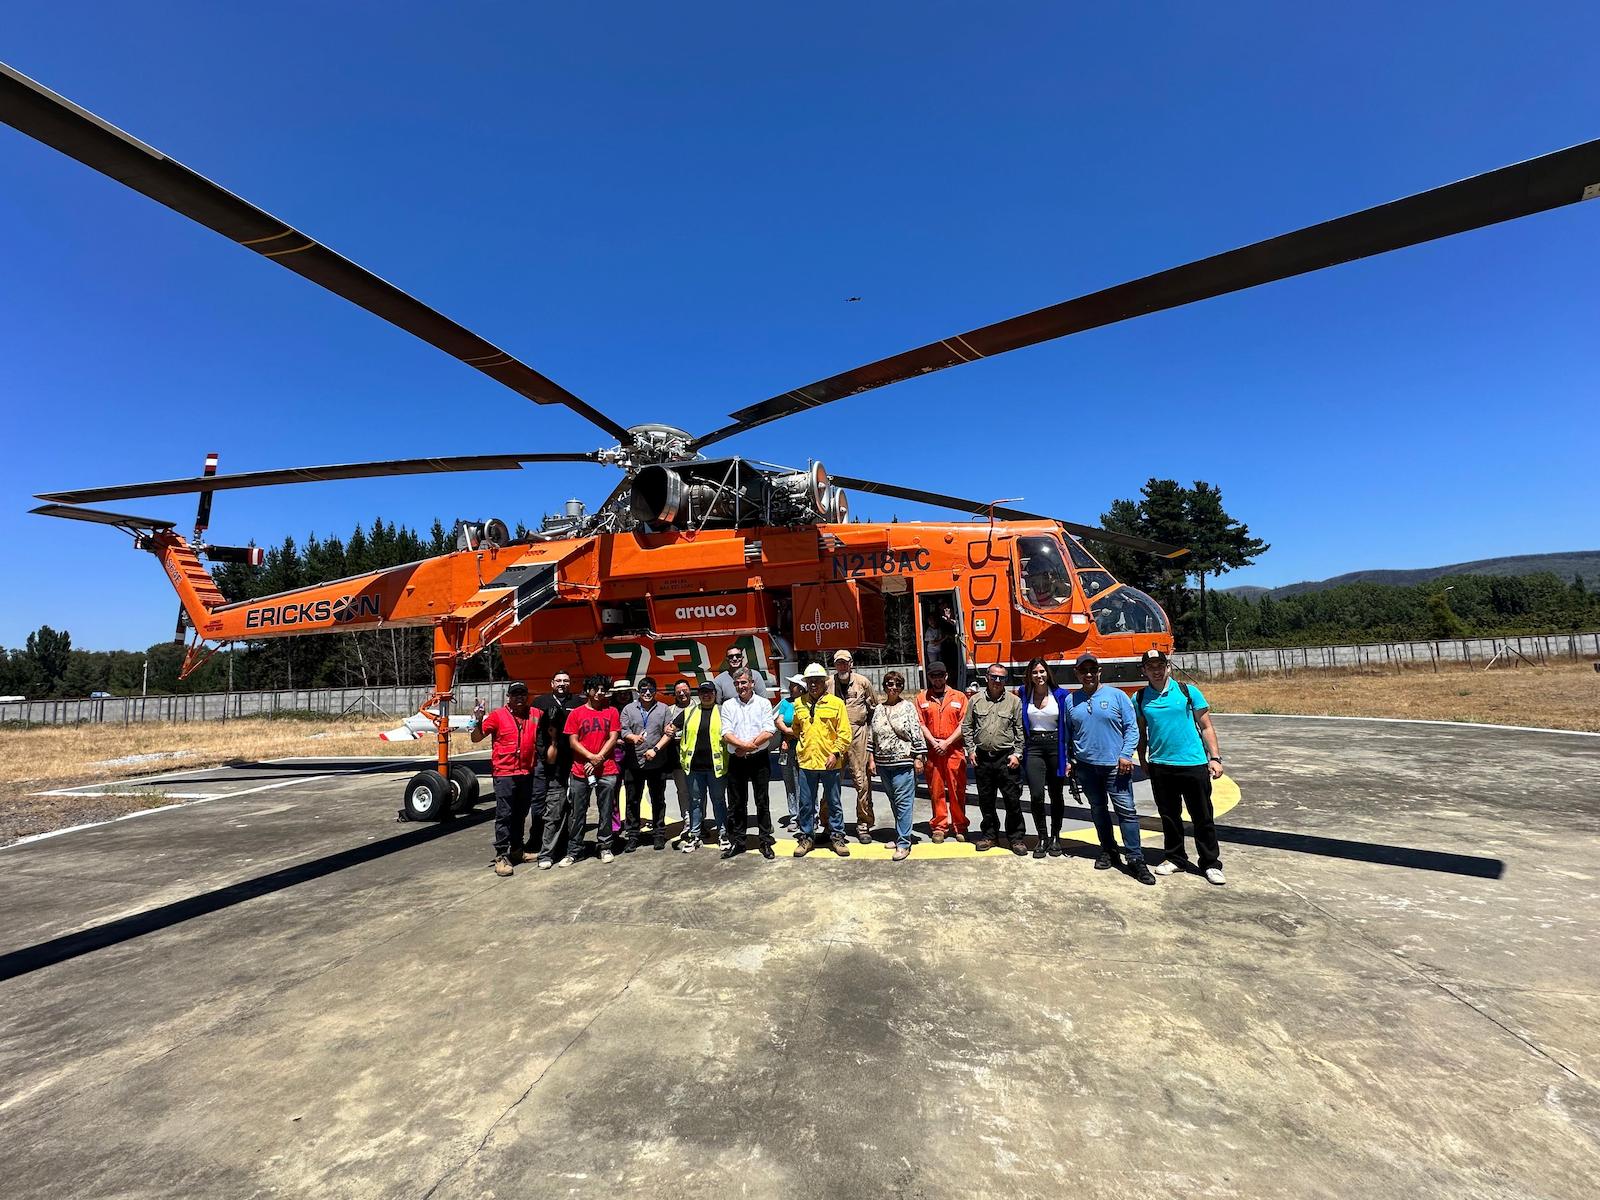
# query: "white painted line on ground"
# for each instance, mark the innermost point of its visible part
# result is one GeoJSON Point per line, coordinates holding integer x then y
{"type": "Point", "coordinates": [145, 812]}
{"type": "Point", "coordinates": [1407, 721]}
{"type": "Point", "coordinates": [80, 794]}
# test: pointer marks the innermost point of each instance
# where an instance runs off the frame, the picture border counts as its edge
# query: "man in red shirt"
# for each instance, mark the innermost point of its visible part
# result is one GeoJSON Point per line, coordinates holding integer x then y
{"type": "Point", "coordinates": [592, 731]}
{"type": "Point", "coordinates": [514, 729]}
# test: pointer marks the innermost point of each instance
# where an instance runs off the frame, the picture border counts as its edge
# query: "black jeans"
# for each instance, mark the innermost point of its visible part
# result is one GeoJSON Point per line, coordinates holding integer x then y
{"type": "Point", "coordinates": [637, 782]}
{"type": "Point", "coordinates": [512, 796]}
{"type": "Point", "coordinates": [994, 775]}
{"type": "Point", "coordinates": [1177, 787]}
{"type": "Point", "coordinates": [744, 773]}
{"type": "Point", "coordinates": [1040, 766]}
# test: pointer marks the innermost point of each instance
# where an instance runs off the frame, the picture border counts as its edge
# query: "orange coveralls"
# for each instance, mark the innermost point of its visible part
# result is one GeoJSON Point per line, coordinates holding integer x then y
{"type": "Point", "coordinates": [947, 772]}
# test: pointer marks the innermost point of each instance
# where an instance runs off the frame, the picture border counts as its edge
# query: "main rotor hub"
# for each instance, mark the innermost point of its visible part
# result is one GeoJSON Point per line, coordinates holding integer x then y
{"type": "Point", "coordinates": [653, 443]}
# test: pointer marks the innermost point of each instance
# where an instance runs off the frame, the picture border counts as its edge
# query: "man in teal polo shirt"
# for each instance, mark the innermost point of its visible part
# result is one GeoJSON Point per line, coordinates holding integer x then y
{"type": "Point", "coordinates": [1178, 748]}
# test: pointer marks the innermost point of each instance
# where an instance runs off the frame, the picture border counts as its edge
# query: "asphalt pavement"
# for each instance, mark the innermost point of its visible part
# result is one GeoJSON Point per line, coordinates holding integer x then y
{"type": "Point", "coordinates": [283, 991]}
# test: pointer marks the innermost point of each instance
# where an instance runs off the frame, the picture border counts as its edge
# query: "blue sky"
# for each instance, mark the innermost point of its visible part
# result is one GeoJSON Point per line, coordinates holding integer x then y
{"type": "Point", "coordinates": [664, 208]}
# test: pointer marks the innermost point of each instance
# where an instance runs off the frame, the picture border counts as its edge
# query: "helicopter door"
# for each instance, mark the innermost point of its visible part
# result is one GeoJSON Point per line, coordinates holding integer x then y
{"type": "Point", "coordinates": [942, 637]}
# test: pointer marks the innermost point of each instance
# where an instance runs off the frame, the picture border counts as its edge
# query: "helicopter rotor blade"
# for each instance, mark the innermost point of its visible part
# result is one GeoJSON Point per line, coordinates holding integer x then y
{"type": "Point", "coordinates": [1519, 190]}
{"type": "Point", "coordinates": [1001, 512]}
{"type": "Point", "coordinates": [54, 120]}
{"type": "Point", "coordinates": [367, 470]}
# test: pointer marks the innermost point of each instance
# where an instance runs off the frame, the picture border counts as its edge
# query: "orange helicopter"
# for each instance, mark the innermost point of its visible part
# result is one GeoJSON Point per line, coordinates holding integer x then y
{"type": "Point", "coordinates": [691, 555]}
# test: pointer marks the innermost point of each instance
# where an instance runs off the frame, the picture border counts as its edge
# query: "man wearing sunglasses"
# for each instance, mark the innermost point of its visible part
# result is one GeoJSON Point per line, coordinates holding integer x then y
{"type": "Point", "coordinates": [1102, 735]}
{"type": "Point", "coordinates": [644, 724]}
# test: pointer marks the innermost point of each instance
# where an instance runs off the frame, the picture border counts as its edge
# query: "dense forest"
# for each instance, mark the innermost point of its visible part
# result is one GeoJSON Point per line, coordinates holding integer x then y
{"type": "Point", "coordinates": [1455, 606]}
{"type": "Point", "coordinates": [48, 666]}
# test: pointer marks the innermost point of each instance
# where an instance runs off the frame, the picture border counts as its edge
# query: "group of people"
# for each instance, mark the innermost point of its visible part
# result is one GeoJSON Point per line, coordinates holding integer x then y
{"type": "Point", "coordinates": [554, 757]}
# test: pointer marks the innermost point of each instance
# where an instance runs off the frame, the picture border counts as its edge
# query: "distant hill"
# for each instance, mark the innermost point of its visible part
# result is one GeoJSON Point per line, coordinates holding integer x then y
{"type": "Point", "coordinates": [1565, 565]}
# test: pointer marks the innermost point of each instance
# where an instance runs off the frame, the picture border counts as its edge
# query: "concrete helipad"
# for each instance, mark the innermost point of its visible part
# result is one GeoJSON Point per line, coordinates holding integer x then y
{"type": "Point", "coordinates": [281, 991]}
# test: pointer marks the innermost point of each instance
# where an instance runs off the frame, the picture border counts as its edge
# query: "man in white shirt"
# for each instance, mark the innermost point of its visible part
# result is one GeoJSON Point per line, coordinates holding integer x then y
{"type": "Point", "coordinates": [747, 730]}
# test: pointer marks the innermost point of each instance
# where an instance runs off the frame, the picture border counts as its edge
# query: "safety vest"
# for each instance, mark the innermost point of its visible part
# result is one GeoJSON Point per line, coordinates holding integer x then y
{"type": "Point", "coordinates": [691, 731]}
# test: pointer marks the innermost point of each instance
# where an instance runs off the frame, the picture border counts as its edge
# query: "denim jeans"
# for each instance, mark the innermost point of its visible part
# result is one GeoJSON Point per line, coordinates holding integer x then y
{"type": "Point", "coordinates": [1103, 784]}
{"type": "Point", "coordinates": [790, 789]}
{"type": "Point", "coordinates": [701, 782]}
{"type": "Point", "coordinates": [900, 782]}
{"type": "Point", "coordinates": [807, 783]}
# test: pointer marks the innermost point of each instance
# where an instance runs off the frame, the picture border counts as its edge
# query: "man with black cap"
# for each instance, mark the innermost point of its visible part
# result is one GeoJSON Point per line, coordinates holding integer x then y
{"type": "Point", "coordinates": [1178, 746]}
{"type": "Point", "coordinates": [1102, 734]}
{"type": "Point", "coordinates": [514, 729]}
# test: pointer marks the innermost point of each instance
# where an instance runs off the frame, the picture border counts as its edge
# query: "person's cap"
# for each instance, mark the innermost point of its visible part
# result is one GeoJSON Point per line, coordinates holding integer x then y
{"type": "Point", "coordinates": [972, 687]}
{"type": "Point", "coordinates": [1086, 659]}
{"type": "Point", "coordinates": [800, 679]}
{"type": "Point", "coordinates": [517, 689]}
{"type": "Point", "coordinates": [622, 685]}
{"type": "Point", "coordinates": [842, 656]}
{"type": "Point", "coordinates": [1153, 655]}
{"type": "Point", "coordinates": [938, 668]}
{"type": "Point", "coordinates": [815, 671]}
{"type": "Point", "coordinates": [707, 685]}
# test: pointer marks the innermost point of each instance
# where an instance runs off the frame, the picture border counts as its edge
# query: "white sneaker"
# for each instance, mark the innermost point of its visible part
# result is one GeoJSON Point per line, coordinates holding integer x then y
{"type": "Point", "coordinates": [689, 845]}
{"type": "Point", "coordinates": [1214, 875]}
{"type": "Point", "coordinates": [1167, 866]}
{"type": "Point", "coordinates": [606, 856]}
{"type": "Point", "coordinates": [567, 861]}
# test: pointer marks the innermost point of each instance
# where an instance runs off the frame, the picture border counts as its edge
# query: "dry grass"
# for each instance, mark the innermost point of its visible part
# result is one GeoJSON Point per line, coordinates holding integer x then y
{"type": "Point", "coordinates": [51, 757]}
{"type": "Point", "coordinates": [1558, 696]}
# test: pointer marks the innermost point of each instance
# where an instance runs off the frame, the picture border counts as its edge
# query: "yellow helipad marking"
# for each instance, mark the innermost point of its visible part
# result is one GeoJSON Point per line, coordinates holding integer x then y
{"type": "Point", "coordinates": [1224, 798]}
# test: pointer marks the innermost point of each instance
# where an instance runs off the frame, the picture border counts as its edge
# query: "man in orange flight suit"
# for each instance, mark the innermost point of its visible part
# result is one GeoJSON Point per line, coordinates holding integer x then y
{"type": "Point", "coordinates": [941, 708]}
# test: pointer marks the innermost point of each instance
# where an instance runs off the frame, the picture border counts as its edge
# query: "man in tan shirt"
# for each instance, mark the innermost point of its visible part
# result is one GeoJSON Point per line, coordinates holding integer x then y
{"type": "Point", "coordinates": [859, 698]}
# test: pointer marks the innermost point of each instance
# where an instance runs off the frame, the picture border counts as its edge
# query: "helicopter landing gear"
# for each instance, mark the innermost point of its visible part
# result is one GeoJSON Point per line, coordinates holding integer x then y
{"type": "Point", "coordinates": [428, 797]}
{"type": "Point", "coordinates": [447, 788]}
{"type": "Point", "coordinates": [463, 787]}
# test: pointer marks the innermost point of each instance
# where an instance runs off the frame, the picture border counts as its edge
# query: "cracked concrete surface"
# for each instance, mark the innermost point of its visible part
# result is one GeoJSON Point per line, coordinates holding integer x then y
{"type": "Point", "coordinates": [1397, 995]}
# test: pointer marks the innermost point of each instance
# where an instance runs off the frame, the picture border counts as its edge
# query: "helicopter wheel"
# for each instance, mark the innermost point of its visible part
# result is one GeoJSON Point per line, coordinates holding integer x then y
{"type": "Point", "coordinates": [463, 786]}
{"type": "Point", "coordinates": [428, 797]}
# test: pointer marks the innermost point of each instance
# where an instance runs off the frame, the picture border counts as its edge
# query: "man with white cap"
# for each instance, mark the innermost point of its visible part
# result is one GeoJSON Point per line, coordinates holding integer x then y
{"type": "Point", "coordinates": [822, 727]}
{"type": "Point", "coordinates": [859, 697]}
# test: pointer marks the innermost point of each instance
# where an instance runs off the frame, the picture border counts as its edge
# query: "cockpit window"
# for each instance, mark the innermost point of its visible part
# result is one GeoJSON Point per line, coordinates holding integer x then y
{"type": "Point", "coordinates": [1127, 610]}
{"type": "Point", "coordinates": [1081, 558]}
{"type": "Point", "coordinates": [1045, 581]}
{"type": "Point", "coordinates": [1094, 582]}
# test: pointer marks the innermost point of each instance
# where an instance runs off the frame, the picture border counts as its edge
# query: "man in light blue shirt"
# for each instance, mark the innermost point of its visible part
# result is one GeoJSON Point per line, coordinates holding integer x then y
{"type": "Point", "coordinates": [1102, 734]}
{"type": "Point", "coordinates": [1178, 746]}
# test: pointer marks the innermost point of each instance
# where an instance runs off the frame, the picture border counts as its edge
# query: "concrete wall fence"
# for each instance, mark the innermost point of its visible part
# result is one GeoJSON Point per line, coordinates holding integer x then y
{"type": "Point", "coordinates": [1397, 656]}
{"type": "Point", "coordinates": [388, 706]}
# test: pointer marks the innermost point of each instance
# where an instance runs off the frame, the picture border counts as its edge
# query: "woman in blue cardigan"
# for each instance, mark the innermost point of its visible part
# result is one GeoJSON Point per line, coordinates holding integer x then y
{"type": "Point", "coordinates": [1044, 753]}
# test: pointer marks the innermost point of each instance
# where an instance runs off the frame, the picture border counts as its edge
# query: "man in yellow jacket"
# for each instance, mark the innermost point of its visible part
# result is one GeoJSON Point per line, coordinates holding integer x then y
{"type": "Point", "coordinates": [704, 758]}
{"type": "Point", "coordinates": [822, 728]}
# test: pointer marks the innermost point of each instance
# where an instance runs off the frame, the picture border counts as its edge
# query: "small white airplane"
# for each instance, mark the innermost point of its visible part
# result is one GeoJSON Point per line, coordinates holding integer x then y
{"type": "Point", "coordinates": [420, 725]}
